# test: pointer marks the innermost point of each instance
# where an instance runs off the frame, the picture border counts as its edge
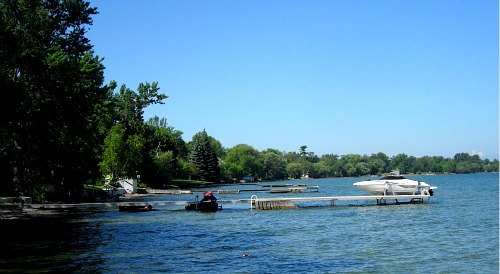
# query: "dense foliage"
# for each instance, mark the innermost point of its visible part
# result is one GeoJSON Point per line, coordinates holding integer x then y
{"type": "Point", "coordinates": [62, 126]}
{"type": "Point", "coordinates": [51, 83]}
{"type": "Point", "coordinates": [205, 165]}
{"type": "Point", "coordinates": [307, 164]}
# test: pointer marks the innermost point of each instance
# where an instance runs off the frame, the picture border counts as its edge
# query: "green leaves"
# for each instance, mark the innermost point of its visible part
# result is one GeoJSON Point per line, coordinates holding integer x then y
{"type": "Point", "coordinates": [122, 154]}
{"type": "Point", "coordinates": [243, 160]}
{"type": "Point", "coordinates": [148, 94]}
{"type": "Point", "coordinates": [203, 159]}
{"type": "Point", "coordinates": [131, 105]}
{"type": "Point", "coordinates": [54, 84]}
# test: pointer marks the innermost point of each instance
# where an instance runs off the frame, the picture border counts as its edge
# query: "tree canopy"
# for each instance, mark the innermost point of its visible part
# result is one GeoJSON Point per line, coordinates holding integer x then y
{"type": "Point", "coordinates": [51, 82]}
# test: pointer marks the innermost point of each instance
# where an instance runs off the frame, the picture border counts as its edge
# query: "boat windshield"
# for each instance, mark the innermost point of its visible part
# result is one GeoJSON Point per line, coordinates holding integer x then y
{"type": "Point", "coordinates": [392, 177]}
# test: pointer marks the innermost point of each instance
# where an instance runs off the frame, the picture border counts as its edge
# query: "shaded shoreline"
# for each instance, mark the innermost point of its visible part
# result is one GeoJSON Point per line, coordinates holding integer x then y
{"type": "Point", "coordinates": [25, 213]}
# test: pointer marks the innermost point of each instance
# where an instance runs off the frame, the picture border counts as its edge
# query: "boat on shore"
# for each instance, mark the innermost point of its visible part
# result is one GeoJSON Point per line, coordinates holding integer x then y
{"type": "Point", "coordinates": [395, 184]}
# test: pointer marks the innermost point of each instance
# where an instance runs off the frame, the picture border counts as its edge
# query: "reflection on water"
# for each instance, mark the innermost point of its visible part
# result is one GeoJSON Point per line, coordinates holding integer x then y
{"type": "Point", "coordinates": [450, 234]}
{"type": "Point", "coordinates": [47, 243]}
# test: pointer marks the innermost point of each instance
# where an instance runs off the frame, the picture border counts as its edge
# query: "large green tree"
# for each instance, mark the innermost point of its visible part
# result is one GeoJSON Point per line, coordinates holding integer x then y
{"type": "Point", "coordinates": [50, 84]}
{"type": "Point", "coordinates": [243, 160]}
{"type": "Point", "coordinates": [274, 165]}
{"type": "Point", "coordinates": [130, 105]}
{"type": "Point", "coordinates": [204, 159]}
{"type": "Point", "coordinates": [167, 153]}
{"type": "Point", "coordinates": [350, 165]}
{"type": "Point", "coordinates": [122, 154]}
{"type": "Point", "coordinates": [131, 144]}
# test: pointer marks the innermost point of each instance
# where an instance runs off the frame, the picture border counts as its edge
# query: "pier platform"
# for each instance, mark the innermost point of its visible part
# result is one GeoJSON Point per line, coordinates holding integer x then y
{"type": "Point", "coordinates": [380, 200]}
{"type": "Point", "coordinates": [254, 202]}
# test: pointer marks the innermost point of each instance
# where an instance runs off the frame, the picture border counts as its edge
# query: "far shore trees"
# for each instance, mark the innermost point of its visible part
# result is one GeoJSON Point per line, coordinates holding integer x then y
{"type": "Point", "coordinates": [243, 161]}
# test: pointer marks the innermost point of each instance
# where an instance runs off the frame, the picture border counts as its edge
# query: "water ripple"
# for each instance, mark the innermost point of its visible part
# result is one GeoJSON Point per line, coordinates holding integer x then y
{"type": "Point", "coordinates": [456, 233]}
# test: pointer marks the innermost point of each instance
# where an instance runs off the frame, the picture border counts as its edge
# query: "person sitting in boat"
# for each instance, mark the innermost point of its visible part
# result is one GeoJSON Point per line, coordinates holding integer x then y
{"type": "Point", "coordinates": [208, 196]}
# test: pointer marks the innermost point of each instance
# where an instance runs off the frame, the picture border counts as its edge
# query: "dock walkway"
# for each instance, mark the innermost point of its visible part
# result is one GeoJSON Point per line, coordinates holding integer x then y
{"type": "Point", "coordinates": [254, 202]}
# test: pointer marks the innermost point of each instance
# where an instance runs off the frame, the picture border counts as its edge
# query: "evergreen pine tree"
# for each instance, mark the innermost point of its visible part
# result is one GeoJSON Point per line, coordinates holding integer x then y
{"type": "Point", "coordinates": [204, 159]}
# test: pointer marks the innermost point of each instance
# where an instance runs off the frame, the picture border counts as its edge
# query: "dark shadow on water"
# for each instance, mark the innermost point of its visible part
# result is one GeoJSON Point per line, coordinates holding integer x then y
{"type": "Point", "coordinates": [41, 244]}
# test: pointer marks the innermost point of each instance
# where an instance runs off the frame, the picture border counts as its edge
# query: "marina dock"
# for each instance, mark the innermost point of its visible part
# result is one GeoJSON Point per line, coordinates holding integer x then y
{"type": "Point", "coordinates": [254, 202]}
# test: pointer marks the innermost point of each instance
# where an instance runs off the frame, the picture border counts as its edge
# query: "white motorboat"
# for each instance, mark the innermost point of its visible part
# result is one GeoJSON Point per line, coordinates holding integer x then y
{"type": "Point", "coordinates": [395, 184]}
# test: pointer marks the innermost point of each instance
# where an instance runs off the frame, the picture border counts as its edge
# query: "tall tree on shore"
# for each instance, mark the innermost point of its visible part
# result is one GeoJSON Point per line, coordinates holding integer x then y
{"type": "Point", "coordinates": [131, 105]}
{"type": "Point", "coordinates": [125, 147]}
{"type": "Point", "coordinates": [204, 159]}
{"type": "Point", "coordinates": [54, 82]}
{"type": "Point", "coordinates": [167, 153]}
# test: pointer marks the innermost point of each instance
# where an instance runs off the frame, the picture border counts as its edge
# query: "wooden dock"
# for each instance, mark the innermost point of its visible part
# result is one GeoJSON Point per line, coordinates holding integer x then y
{"type": "Point", "coordinates": [380, 200]}
{"type": "Point", "coordinates": [254, 202]}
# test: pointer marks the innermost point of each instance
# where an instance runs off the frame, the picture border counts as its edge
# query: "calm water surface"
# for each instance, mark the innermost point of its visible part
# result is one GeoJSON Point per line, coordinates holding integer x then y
{"type": "Point", "coordinates": [457, 232]}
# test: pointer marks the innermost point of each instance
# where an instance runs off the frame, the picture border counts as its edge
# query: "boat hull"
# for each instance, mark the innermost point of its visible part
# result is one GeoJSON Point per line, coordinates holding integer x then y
{"type": "Point", "coordinates": [399, 187]}
{"type": "Point", "coordinates": [203, 206]}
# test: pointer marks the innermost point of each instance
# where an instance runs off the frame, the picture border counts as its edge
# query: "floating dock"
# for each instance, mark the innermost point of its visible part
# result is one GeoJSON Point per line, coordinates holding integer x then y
{"type": "Point", "coordinates": [254, 202]}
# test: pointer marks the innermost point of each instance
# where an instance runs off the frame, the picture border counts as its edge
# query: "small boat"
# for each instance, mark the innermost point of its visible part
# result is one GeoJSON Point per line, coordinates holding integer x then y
{"type": "Point", "coordinates": [132, 208]}
{"type": "Point", "coordinates": [395, 184]}
{"type": "Point", "coordinates": [207, 204]}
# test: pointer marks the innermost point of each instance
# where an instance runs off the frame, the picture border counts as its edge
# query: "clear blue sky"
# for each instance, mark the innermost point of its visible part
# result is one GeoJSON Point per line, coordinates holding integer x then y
{"type": "Point", "coordinates": [339, 76]}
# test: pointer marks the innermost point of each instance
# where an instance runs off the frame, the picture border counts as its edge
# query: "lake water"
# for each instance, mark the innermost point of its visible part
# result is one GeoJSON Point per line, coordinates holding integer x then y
{"type": "Point", "coordinates": [456, 232]}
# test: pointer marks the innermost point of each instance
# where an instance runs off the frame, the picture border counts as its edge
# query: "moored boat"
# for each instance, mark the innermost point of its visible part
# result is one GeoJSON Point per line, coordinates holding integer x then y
{"type": "Point", "coordinates": [395, 184]}
{"type": "Point", "coordinates": [207, 204]}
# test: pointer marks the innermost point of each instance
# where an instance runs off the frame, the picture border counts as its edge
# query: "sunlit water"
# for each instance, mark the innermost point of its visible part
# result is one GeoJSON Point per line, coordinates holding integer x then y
{"type": "Point", "coordinates": [456, 232]}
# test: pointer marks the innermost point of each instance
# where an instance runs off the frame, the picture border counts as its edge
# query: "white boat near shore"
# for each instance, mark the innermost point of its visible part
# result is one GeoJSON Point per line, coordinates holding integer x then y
{"type": "Point", "coordinates": [395, 184]}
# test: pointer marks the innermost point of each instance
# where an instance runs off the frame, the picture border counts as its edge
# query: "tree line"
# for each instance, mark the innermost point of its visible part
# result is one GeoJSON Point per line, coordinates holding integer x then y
{"type": "Point", "coordinates": [272, 164]}
{"type": "Point", "coordinates": [63, 127]}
